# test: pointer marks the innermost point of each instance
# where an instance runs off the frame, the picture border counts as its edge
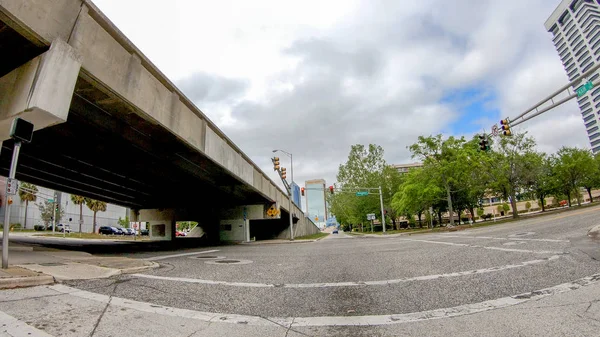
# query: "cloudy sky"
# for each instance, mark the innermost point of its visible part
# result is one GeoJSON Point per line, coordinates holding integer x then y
{"type": "Point", "coordinates": [313, 77]}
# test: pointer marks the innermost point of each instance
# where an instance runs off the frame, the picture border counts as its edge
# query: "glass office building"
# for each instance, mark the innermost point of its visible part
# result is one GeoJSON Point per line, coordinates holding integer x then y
{"type": "Point", "coordinates": [316, 205]}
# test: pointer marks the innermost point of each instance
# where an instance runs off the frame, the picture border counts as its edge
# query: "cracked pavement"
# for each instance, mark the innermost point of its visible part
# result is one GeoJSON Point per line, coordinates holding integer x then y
{"type": "Point", "coordinates": [315, 289]}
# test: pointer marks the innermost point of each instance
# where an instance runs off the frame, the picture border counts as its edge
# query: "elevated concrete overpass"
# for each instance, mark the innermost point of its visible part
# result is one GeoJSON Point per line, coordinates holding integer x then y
{"type": "Point", "coordinates": [110, 126]}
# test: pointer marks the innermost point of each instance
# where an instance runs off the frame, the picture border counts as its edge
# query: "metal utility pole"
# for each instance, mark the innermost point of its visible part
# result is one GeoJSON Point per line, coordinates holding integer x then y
{"type": "Point", "coordinates": [289, 189]}
{"type": "Point", "coordinates": [9, 185]}
{"type": "Point", "coordinates": [382, 211]}
{"type": "Point", "coordinates": [54, 214]}
{"type": "Point", "coordinates": [21, 131]}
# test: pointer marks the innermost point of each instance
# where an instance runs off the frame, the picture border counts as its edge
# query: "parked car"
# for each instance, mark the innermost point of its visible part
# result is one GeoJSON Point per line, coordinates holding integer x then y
{"type": "Point", "coordinates": [335, 231]}
{"type": "Point", "coordinates": [63, 228]}
{"type": "Point", "coordinates": [145, 232]}
{"type": "Point", "coordinates": [180, 233]}
{"type": "Point", "coordinates": [128, 231]}
{"type": "Point", "coordinates": [108, 230]}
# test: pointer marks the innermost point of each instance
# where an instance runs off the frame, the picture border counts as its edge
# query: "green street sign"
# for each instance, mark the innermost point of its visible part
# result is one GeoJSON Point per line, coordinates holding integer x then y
{"type": "Point", "coordinates": [584, 88]}
{"type": "Point", "coordinates": [362, 193]}
{"type": "Point", "coordinates": [50, 200]}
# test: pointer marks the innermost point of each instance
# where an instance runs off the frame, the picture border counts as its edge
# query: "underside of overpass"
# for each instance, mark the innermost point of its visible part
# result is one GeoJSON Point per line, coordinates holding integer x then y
{"type": "Point", "coordinates": [106, 151]}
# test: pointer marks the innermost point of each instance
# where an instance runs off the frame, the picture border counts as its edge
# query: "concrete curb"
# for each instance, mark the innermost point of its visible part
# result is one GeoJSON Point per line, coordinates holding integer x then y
{"type": "Point", "coordinates": [258, 243]}
{"type": "Point", "coordinates": [25, 281]}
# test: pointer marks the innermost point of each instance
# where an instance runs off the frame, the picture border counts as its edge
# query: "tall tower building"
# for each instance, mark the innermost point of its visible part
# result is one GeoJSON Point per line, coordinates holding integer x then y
{"type": "Point", "coordinates": [575, 25]}
{"type": "Point", "coordinates": [316, 205]}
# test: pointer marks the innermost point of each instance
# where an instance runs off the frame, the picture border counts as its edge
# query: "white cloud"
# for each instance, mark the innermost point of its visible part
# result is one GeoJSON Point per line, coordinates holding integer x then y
{"type": "Point", "coordinates": [314, 77]}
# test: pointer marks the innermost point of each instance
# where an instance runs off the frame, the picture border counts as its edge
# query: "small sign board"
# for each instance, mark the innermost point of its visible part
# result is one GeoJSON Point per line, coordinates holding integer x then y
{"type": "Point", "coordinates": [362, 193]}
{"type": "Point", "coordinates": [495, 130]}
{"type": "Point", "coordinates": [584, 88]}
{"type": "Point", "coordinates": [371, 216]}
{"type": "Point", "coordinates": [12, 185]}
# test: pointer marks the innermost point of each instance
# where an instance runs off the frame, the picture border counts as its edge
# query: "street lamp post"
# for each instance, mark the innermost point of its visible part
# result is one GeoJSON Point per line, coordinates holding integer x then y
{"type": "Point", "coordinates": [290, 191]}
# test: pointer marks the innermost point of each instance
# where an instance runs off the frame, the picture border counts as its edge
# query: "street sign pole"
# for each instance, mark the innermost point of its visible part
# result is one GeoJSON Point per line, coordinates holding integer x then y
{"type": "Point", "coordinates": [5, 232]}
{"type": "Point", "coordinates": [382, 211]}
{"type": "Point", "coordinates": [54, 214]}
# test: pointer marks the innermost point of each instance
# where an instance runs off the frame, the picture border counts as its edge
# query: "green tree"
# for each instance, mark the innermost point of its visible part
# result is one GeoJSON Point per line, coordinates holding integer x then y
{"type": "Point", "coordinates": [365, 168]}
{"type": "Point", "coordinates": [417, 193]}
{"type": "Point", "coordinates": [123, 222]}
{"type": "Point", "coordinates": [27, 193]}
{"type": "Point", "coordinates": [512, 171]}
{"type": "Point", "coordinates": [47, 212]}
{"type": "Point", "coordinates": [591, 177]}
{"type": "Point", "coordinates": [571, 166]}
{"type": "Point", "coordinates": [450, 161]}
{"type": "Point", "coordinates": [543, 183]}
{"type": "Point", "coordinates": [79, 200]}
{"type": "Point", "coordinates": [528, 205]}
{"type": "Point", "coordinates": [95, 206]}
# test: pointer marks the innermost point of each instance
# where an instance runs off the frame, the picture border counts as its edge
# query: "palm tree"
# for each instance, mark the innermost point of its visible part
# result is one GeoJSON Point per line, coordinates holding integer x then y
{"type": "Point", "coordinates": [27, 193]}
{"type": "Point", "coordinates": [95, 206]}
{"type": "Point", "coordinates": [79, 200]}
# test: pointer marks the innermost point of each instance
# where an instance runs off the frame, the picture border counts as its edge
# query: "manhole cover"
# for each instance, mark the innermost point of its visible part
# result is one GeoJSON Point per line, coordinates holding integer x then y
{"type": "Point", "coordinates": [208, 257]}
{"type": "Point", "coordinates": [52, 264]}
{"type": "Point", "coordinates": [228, 262]}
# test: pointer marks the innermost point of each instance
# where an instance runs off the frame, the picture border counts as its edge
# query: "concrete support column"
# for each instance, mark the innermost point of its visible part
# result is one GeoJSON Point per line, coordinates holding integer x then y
{"type": "Point", "coordinates": [40, 91]}
{"type": "Point", "coordinates": [161, 223]}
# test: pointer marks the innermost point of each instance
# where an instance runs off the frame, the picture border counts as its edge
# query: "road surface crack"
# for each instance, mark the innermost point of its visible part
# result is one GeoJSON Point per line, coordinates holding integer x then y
{"type": "Point", "coordinates": [116, 284]}
{"type": "Point", "coordinates": [288, 329]}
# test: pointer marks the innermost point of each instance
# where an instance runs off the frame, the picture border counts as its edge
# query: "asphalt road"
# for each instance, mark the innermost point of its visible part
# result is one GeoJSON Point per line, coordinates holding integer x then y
{"type": "Point", "coordinates": [530, 278]}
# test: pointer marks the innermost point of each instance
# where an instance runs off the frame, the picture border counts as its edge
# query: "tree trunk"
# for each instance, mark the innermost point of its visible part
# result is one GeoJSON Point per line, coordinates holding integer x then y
{"type": "Point", "coordinates": [394, 223]}
{"type": "Point", "coordinates": [589, 190]}
{"type": "Point", "coordinates": [450, 210]}
{"type": "Point", "coordinates": [419, 216]}
{"type": "Point", "coordinates": [439, 213]}
{"type": "Point", "coordinates": [569, 198]}
{"type": "Point", "coordinates": [94, 230]}
{"type": "Point", "coordinates": [26, 206]}
{"type": "Point", "coordinates": [80, 216]}
{"type": "Point", "coordinates": [513, 205]}
{"type": "Point", "coordinates": [578, 195]}
{"type": "Point", "coordinates": [472, 211]}
{"type": "Point", "coordinates": [542, 199]}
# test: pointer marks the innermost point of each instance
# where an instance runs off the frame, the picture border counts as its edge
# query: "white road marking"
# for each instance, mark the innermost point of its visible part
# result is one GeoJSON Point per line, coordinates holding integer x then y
{"type": "Point", "coordinates": [346, 284]}
{"type": "Point", "coordinates": [514, 250]}
{"type": "Point", "coordinates": [460, 310]}
{"type": "Point", "coordinates": [164, 257]}
{"type": "Point", "coordinates": [494, 238]}
{"type": "Point", "coordinates": [13, 327]}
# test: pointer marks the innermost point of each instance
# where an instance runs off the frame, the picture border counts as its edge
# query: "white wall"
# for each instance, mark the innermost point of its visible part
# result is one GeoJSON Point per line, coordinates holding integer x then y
{"type": "Point", "coordinates": [17, 210]}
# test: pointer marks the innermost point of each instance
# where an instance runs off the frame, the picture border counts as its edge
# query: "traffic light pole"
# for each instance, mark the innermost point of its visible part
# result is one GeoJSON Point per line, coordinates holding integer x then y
{"type": "Point", "coordinates": [6, 228]}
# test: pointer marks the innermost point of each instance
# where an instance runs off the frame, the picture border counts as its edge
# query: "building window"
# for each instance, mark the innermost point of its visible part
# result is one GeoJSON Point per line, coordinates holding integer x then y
{"type": "Point", "coordinates": [596, 149]}
{"type": "Point", "coordinates": [592, 130]}
{"type": "Point", "coordinates": [585, 105]}
{"type": "Point", "coordinates": [587, 52]}
{"type": "Point", "coordinates": [596, 142]}
{"type": "Point", "coordinates": [588, 118]}
{"type": "Point", "coordinates": [590, 124]}
{"type": "Point", "coordinates": [573, 74]}
{"type": "Point", "coordinates": [595, 92]}
{"type": "Point", "coordinates": [583, 99]}
{"type": "Point", "coordinates": [588, 66]}
{"type": "Point", "coordinates": [594, 77]}
{"type": "Point", "coordinates": [597, 104]}
{"type": "Point", "coordinates": [587, 111]}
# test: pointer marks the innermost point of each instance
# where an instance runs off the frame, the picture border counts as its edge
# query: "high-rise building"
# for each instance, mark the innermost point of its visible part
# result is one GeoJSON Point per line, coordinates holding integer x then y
{"type": "Point", "coordinates": [575, 25]}
{"type": "Point", "coordinates": [316, 204]}
{"type": "Point", "coordinates": [296, 195]}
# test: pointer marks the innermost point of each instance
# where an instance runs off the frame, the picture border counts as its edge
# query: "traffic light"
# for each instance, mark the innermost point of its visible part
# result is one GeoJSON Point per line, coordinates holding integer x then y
{"type": "Point", "coordinates": [483, 143]}
{"type": "Point", "coordinates": [275, 163]}
{"type": "Point", "coordinates": [10, 201]}
{"type": "Point", "coordinates": [505, 126]}
{"type": "Point", "coordinates": [302, 191]}
{"type": "Point", "coordinates": [331, 189]}
{"type": "Point", "coordinates": [283, 173]}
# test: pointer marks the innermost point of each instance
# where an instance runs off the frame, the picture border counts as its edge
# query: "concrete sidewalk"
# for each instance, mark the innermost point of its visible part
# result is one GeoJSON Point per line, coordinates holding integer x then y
{"type": "Point", "coordinates": [30, 266]}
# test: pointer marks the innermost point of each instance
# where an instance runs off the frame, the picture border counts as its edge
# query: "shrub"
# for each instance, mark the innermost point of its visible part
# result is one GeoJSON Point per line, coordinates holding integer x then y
{"type": "Point", "coordinates": [505, 207]}
{"type": "Point", "coordinates": [39, 227]}
{"type": "Point", "coordinates": [528, 205]}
